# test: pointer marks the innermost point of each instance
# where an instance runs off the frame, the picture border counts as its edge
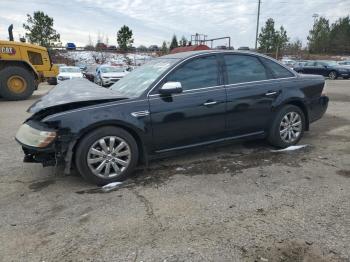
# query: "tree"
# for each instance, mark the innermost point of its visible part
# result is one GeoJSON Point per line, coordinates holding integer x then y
{"type": "Point", "coordinates": [319, 36]}
{"type": "Point", "coordinates": [281, 40]}
{"type": "Point", "coordinates": [173, 43]}
{"type": "Point", "coordinates": [164, 49]}
{"type": "Point", "coordinates": [124, 38]}
{"type": "Point", "coordinates": [339, 37]}
{"type": "Point", "coordinates": [40, 30]}
{"type": "Point", "coordinates": [183, 41]}
{"type": "Point", "coordinates": [267, 37]}
{"type": "Point", "coordinates": [293, 48]}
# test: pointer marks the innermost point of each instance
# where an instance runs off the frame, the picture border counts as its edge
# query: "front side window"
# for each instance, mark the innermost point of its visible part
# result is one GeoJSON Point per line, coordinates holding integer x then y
{"type": "Point", "coordinates": [277, 70]}
{"type": "Point", "coordinates": [35, 58]}
{"type": "Point", "coordinates": [310, 64]}
{"type": "Point", "coordinates": [198, 73]}
{"type": "Point", "coordinates": [244, 68]}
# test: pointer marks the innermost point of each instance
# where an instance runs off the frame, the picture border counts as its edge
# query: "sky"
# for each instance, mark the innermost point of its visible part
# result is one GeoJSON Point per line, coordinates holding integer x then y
{"type": "Point", "coordinates": [154, 21]}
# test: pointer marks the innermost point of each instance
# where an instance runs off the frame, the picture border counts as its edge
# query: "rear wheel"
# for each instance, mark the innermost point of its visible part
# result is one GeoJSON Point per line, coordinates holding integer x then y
{"type": "Point", "coordinates": [333, 75]}
{"type": "Point", "coordinates": [288, 127]}
{"type": "Point", "coordinates": [16, 83]}
{"type": "Point", "coordinates": [106, 155]}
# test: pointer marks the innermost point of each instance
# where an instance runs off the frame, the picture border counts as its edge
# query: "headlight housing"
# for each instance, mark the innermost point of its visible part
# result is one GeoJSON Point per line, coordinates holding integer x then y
{"type": "Point", "coordinates": [35, 136]}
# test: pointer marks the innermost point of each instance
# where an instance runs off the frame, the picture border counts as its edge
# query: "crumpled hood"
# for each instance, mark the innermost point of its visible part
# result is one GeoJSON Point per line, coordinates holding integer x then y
{"type": "Point", "coordinates": [74, 91]}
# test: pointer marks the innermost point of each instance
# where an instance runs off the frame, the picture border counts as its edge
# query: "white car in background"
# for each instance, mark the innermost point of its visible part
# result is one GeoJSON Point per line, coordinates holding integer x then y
{"type": "Point", "coordinates": [107, 75]}
{"type": "Point", "coordinates": [69, 72]}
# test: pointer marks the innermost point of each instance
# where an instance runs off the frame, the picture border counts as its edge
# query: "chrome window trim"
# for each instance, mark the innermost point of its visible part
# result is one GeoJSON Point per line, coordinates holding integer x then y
{"type": "Point", "coordinates": [258, 81]}
{"type": "Point", "coordinates": [191, 91]}
{"type": "Point", "coordinates": [226, 53]}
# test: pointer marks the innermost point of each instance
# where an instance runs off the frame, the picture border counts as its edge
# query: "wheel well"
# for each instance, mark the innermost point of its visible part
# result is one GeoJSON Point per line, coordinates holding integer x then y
{"type": "Point", "coordinates": [25, 65]}
{"type": "Point", "coordinates": [302, 106]}
{"type": "Point", "coordinates": [140, 146]}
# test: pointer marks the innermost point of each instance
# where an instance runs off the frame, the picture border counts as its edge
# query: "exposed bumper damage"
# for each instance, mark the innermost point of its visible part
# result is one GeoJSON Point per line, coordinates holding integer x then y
{"type": "Point", "coordinates": [59, 152]}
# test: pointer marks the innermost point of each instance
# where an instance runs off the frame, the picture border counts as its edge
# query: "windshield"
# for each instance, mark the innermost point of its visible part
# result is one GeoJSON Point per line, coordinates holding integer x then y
{"type": "Point", "coordinates": [111, 69]}
{"type": "Point", "coordinates": [70, 69]}
{"type": "Point", "coordinates": [137, 82]}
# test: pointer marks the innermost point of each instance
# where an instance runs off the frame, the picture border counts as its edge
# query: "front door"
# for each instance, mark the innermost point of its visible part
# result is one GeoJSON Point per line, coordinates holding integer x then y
{"type": "Point", "coordinates": [195, 116]}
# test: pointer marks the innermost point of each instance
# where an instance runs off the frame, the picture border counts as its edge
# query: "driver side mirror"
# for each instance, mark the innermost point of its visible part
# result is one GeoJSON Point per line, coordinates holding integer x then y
{"type": "Point", "coordinates": [170, 88]}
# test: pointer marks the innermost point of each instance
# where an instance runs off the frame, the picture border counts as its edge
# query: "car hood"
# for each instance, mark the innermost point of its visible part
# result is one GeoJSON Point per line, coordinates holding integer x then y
{"type": "Point", "coordinates": [71, 75]}
{"type": "Point", "coordinates": [113, 74]}
{"type": "Point", "coordinates": [77, 91]}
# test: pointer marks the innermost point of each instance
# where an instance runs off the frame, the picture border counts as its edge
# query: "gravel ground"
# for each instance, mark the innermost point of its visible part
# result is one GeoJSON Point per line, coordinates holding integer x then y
{"type": "Point", "coordinates": [238, 202]}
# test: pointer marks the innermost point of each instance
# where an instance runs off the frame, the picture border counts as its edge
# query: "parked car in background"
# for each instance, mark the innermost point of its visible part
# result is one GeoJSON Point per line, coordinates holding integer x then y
{"type": "Point", "coordinates": [344, 63]}
{"type": "Point", "coordinates": [173, 103]}
{"type": "Point", "coordinates": [242, 48]}
{"type": "Point", "coordinates": [325, 68]}
{"type": "Point", "coordinates": [69, 72]}
{"type": "Point", "coordinates": [153, 48]}
{"type": "Point", "coordinates": [71, 46]}
{"type": "Point", "coordinates": [112, 48]}
{"type": "Point", "coordinates": [53, 80]}
{"type": "Point", "coordinates": [81, 66]}
{"type": "Point", "coordinates": [107, 75]}
{"type": "Point", "coordinates": [288, 62]}
{"type": "Point", "coordinates": [101, 46]}
{"type": "Point", "coordinates": [90, 72]}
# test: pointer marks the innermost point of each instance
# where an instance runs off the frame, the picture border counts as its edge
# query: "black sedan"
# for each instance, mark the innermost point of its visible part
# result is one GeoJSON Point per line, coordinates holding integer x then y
{"type": "Point", "coordinates": [172, 103]}
{"type": "Point", "coordinates": [329, 69]}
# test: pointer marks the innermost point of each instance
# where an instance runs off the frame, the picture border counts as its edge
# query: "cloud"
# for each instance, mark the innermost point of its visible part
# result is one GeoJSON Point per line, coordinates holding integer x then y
{"type": "Point", "coordinates": [153, 21]}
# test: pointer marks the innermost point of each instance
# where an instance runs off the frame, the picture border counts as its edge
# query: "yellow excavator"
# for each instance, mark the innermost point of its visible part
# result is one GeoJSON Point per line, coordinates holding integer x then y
{"type": "Point", "coordinates": [22, 67]}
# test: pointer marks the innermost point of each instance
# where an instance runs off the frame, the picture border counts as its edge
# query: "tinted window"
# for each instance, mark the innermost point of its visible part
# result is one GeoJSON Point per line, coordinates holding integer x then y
{"type": "Point", "coordinates": [244, 68]}
{"type": "Point", "coordinates": [277, 70]}
{"type": "Point", "coordinates": [200, 72]}
{"type": "Point", "coordinates": [35, 58]}
{"type": "Point", "coordinates": [310, 64]}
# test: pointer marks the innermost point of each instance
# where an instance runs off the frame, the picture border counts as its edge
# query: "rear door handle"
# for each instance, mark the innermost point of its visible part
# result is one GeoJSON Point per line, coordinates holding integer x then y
{"type": "Point", "coordinates": [210, 103]}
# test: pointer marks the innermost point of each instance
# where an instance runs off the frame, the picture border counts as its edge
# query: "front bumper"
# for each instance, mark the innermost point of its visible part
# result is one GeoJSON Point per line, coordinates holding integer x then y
{"type": "Point", "coordinates": [317, 108]}
{"type": "Point", "coordinates": [110, 81]}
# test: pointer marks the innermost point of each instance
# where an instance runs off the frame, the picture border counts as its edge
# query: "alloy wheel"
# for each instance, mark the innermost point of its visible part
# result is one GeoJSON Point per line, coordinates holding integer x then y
{"type": "Point", "coordinates": [332, 75]}
{"type": "Point", "coordinates": [290, 127]}
{"type": "Point", "coordinates": [109, 157]}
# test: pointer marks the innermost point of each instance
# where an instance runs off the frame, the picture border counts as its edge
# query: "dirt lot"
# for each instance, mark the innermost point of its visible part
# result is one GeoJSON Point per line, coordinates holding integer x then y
{"type": "Point", "coordinates": [239, 202]}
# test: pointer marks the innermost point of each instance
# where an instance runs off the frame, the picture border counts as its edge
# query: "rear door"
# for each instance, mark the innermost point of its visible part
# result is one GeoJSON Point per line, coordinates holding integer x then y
{"type": "Point", "coordinates": [197, 114]}
{"type": "Point", "coordinates": [251, 90]}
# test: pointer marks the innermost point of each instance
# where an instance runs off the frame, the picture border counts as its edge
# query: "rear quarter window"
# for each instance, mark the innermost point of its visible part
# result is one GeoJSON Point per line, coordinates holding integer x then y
{"type": "Point", "coordinates": [277, 70]}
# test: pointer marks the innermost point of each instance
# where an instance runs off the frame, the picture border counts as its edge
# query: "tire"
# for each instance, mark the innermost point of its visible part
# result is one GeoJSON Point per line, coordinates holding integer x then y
{"type": "Point", "coordinates": [275, 136]}
{"type": "Point", "coordinates": [16, 83]}
{"type": "Point", "coordinates": [333, 75]}
{"type": "Point", "coordinates": [86, 150]}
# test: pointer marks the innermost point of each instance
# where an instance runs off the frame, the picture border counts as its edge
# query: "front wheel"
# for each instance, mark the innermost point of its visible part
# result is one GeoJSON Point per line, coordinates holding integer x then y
{"type": "Point", "coordinates": [106, 155]}
{"type": "Point", "coordinates": [287, 127]}
{"type": "Point", "coordinates": [333, 75]}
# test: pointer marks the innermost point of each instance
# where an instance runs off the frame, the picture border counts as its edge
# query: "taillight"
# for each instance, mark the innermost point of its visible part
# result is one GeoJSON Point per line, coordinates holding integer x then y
{"type": "Point", "coordinates": [324, 91]}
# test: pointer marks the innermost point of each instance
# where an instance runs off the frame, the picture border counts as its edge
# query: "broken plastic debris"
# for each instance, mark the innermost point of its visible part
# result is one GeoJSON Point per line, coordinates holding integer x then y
{"type": "Point", "coordinates": [111, 186]}
{"type": "Point", "coordinates": [180, 169]}
{"type": "Point", "coordinates": [290, 148]}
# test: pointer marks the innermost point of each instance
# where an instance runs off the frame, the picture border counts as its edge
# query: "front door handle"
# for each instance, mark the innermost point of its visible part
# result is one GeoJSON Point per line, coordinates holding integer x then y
{"type": "Point", "coordinates": [210, 103]}
{"type": "Point", "coordinates": [271, 93]}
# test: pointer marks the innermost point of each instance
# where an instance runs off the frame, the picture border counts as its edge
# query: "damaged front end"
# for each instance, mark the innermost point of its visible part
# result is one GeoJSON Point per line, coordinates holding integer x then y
{"type": "Point", "coordinates": [46, 143]}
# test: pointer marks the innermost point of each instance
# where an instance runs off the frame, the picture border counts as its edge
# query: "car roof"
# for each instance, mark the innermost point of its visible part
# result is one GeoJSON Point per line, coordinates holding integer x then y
{"type": "Point", "coordinates": [69, 67]}
{"type": "Point", "coordinates": [184, 55]}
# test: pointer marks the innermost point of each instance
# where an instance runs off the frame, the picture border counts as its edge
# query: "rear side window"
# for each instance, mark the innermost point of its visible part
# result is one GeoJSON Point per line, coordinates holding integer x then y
{"type": "Point", "coordinates": [244, 68]}
{"type": "Point", "coordinates": [198, 73]}
{"type": "Point", "coordinates": [35, 58]}
{"type": "Point", "coordinates": [277, 70]}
